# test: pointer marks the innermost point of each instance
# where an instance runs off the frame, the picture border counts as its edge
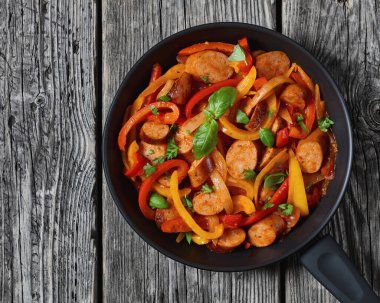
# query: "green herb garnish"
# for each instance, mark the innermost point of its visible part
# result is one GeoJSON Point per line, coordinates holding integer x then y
{"type": "Point", "coordinates": [207, 189]}
{"type": "Point", "coordinates": [154, 110]}
{"type": "Point", "coordinates": [149, 169]}
{"type": "Point", "coordinates": [286, 209]}
{"type": "Point", "coordinates": [205, 139]}
{"type": "Point", "coordinates": [249, 174]}
{"type": "Point", "coordinates": [241, 117]}
{"type": "Point", "coordinates": [300, 122]}
{"type": "Point", "coordinates": [187, 202]}
{"type": "Point", "coordinates": [266, 136]}
{"type": "Point", "coordinates": [171, 149]}
{"type": "Point", "coordinates": [274, 179]}
{"type": "Point", "coordinates": [204, 79]}
{"type": "Point", "coordinates": [267, 205]}
{"type": "Point", "coordinates": [325, 123]}
{"type": "Point", "coordinates": [164, 98]}
{"type": "Point", "coordinates": [188, 237]}
{"type": "Point", "coordinates": [158, 160]}
{"type": "Point", "coordinates": [157, 201]}
{"type": "Point", "coordinates": [238, 54]}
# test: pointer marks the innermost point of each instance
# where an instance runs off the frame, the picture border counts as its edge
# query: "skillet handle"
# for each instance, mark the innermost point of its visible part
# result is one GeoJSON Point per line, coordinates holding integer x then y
{"type": "Point", "coordinates": [328, 263]}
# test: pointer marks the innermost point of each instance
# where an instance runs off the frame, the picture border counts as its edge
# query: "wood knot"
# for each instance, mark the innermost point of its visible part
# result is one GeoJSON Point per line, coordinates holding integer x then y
{"type": "Point", "coordinates": [373, 114]}
{"type": "Point", "coordinates": [11, 121]}
{"type": "Point", "coordinates": [39, 102]}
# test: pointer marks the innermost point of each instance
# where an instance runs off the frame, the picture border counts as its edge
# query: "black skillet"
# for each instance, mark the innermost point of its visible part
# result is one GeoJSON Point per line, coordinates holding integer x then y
{"type": "Point", "coordinates": [325, 260]}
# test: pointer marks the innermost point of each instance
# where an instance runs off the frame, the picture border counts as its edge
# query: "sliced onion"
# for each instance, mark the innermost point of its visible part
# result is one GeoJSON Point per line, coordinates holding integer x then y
{"type": "Point", "coordinates": [193, 123]}
{"type": "Point", "coordinates": [166, 89]}
{"type": "Point", "coordinates": [222, 191]}
{"type": "Point", "coordinates": [220, 163]}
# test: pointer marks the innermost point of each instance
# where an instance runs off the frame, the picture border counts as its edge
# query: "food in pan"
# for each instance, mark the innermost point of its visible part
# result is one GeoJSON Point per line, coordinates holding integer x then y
{"type": "Point", "coordinates": [230, 147]}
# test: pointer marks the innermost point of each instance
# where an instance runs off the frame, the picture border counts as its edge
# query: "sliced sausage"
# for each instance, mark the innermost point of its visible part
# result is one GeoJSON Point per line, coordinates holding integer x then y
{"type": "Point", "coordinates": [258, 117]}
{"type": "Point", "coordinates": [200, 170]}
{"type": "Point", "coordinates": [181, 89]}
{"type": "Point", "coordinates": [269, 154]}
{"type": "Point", "coordinates": [152, 151]}
{"type": "Point", "coordinates": [293, 219]}
{"type": "Point", "coordinates": [272, 64]}
{"type": "Point", "coordinates": [164, 214]}
{"type": "Point", "coordinates": [184, 141]}
{"type": "Point", "coordinates": [154, 132]}
{"type": "Point", "coordinates": [207, 204]}
{"type": "Point", "coordinates": [294, 95]}
{"type": "Point", "coordinates": [265, 232]}
{"type": "Point", "coordinates": [310, 151]}
{"type": "Point", "coordinates": [211, 64]}
{"type": "Point", "coordinates": [241, 155]}
{"type": "Point", "coordinates": [231, 238]}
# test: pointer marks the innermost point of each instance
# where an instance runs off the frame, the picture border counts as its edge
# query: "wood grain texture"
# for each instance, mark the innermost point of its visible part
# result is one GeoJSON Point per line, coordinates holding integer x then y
{"type": "Point", "coordinates": [47, 151]}
{"type": "Point", "coordinates": [345, 37]}
{"type": "Point", "coordinates": [133, 271]}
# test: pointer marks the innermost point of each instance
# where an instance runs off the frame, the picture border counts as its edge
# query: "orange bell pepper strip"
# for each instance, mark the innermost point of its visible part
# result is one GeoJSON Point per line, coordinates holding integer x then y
{"type": "Point", "coordinates": [142, 114]}
{"type": "Point", "coordinates": [280, 157]}
{"type": "Point", "coordinates": [245, 66]}
{"type": "Point", "coordinates": [243, 204]}
{"type": "Point", "coordinates": [186, 216]}
{"type": "Point", "coordinates": [298, 133]}
{"type": "Point", "coordinates": [226, 48]}
{"type": "Point", "coordinates": [199, 96]}
{"type": "Point", "coordinates": [156, 73]}
{"type": "Point", "coordinates": [297, 191]}
{"type": "Point", "coordinates": [278, 197]}
{"type": "Point", "coordinates": [147, 184]}
{"type": "Point", "coordinates": [259, 82]}
{"type": "Point", "coordinates": [245, 185]}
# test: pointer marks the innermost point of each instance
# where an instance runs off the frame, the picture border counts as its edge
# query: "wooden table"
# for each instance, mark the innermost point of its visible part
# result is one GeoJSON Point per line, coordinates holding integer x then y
{"type": "Point", "coordinates": [62, 238]}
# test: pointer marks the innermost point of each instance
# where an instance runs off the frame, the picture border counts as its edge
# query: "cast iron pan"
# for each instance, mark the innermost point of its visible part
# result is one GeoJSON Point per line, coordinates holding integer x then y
{"type": "Point", "coordinates": [325, 259]}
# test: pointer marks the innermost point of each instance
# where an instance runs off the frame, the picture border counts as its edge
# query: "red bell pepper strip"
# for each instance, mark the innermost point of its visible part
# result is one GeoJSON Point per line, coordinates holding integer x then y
{"type": "Point", "coordinates": [279, 197]}
{"type": "Point", "coordinates": [230, 221]}
{"type": "Point", "coordinates": [282, 137]}
{"type": "Point", "coordinates": [245, 66]}
{"type": "Point", "coordinates": [137, 167]}
{"type": "Point", "coordinates": [259, 82]}
{"type": "Point", "coordinates": [146, 186]}
{"type": "Point", "coordinates": [310, 110]}
{"type": "Point", "coordinates": [195, 99]}
{"type": "Point", "coordinates": [156, 73]}
{"type": "Point", "coordinates": [178, 225]}
{"type": "Point", "coordinates": [298, 79]}
{"type": "Point", "coordinates": [142, 114]}
{"type": "Point", "coordinates": [226, 48]}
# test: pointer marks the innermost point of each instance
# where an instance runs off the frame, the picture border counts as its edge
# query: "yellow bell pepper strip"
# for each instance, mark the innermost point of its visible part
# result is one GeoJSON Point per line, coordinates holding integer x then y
{"type": "Point", "coordinates": [306, 79]}
{"type": "Point", "coordinates": [173, 73]}
{"type": "Point", "coordinates": [184, 214]}
{"type": "Point", "coordinates": [243, 184]}
{"type": "Point", "coordinates": [245, 85]}
{"type": "Point", "coordinates": [222, 191]}
{"type": "Point", "coordinates": [266, 90]}
{"type": "Point", "coordinates": [165, 191]}
{"type": "Point", "coordinates": [199, 240]}
{"type": "Point", "coordinates": [233, 131]}
{"type": "Point", "coordinates": [290, 70]}
{"type": "Point", "coordinates": [297, 192]}
{"type": "Point", "coordinates": [280, 157]}
{"type": "Point", "coordinates": [132, 150]}
{"type": "Point", "coordinates": [243, 204]}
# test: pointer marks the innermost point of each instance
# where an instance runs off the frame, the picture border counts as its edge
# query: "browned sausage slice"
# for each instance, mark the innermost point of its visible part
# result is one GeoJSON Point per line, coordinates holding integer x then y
{"type": "Point", "coordinates": [258, 117]}
{"type": "Point", "coordinates": [181, 89]}
{"type": "Point", "coordinates": [241, 155]}
{"type": "Point", "coordinates": [231, 238]}
{"type": "Point", "coordinates": [207, 204]}
{"type": "Point", "coordinates": [269, 154]}
{"type": "Point", "coordinates": [200, 170]}
{"type": "Point", "coordinates": [152, 151]}
{"type": "Point", "coordinates": [184, 141]}
{"type": "Point", "coordinates": [265, 232]}
{"type": "Point", "coordinates": [154, 132]}
{"type": "Point", "coordinates": [164, 214]}
{"type": "Point", "coordinates": [211, 64]}
{"type": "Point", "coordinates": [272, 64]}
{"type": "Point", "coordinates": [294, 95]}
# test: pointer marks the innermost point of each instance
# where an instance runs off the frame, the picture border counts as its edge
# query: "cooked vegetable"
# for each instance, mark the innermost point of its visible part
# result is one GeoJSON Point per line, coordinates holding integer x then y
{"type": "Point", "coordinates": [247, 134]}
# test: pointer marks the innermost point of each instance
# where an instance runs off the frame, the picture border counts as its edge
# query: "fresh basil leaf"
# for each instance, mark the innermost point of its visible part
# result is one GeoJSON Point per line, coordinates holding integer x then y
{"type": "Point", "coordinates": [204, 79]}
{"type": "Point", "coordinates": [149, 169]}
{"type": "Point", "coordinates": [158, 160]}
{"type": "Point", "coordinates": [325, 123]}
{"type": "Point", "coordinates": [249, 174]}
{"type": "Point", "coordinates": [221, 100]}
{"type": "Point", "coordinates": [266, 136]}
{"type": "Point", "coordinates": [154, 110]}
{"type": "Point", "coordinates": [171, 149]}
{"type": "Point", "coordinates": [157, 201]}
{"type": "Point", "coordinates": [274, 179]}
{"type": "Point", "coordinates": [207, 189]}
{"type": "Point", "coordinates": [238, 54]}
{"type": "Point", "coordinates": [302, 124]}
{"type": "Point", "coordinates": [205, 139]}
{"type": "Point", "coordinates": [241, 117]}
{"type": "Point", "coordinates": [286, 209]}
{"type": "Point", "coordinates": [188, 237]}
{"type": "Point", "coordinates": [267, 205]}
{"type": "Point", "coordinates": [187, 202]}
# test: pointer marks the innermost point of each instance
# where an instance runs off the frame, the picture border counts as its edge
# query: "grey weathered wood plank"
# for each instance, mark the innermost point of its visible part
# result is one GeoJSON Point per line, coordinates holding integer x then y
{"type": "Point", "coordinates": [47, 151]}
{"type": "Point", "coordinates": [134, 271]}
{"type": "Point", "coordinates": [344, 36]}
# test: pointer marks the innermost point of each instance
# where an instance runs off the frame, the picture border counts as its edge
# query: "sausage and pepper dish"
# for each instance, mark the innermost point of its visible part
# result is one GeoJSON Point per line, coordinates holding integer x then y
{"type": "Point", "coordinates": [230, 147]}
